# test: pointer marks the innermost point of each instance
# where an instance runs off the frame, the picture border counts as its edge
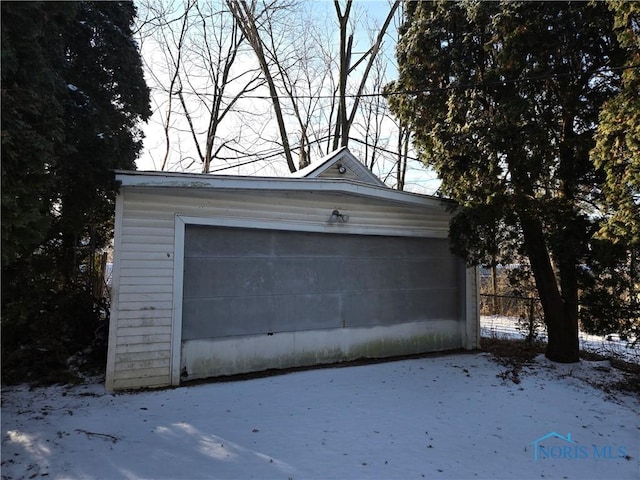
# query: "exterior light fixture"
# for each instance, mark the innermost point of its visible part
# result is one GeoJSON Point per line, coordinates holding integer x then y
{"type": "Point", "coordinates": [336, 215]}
{"type": "Point", "coordinates": [342, 168]}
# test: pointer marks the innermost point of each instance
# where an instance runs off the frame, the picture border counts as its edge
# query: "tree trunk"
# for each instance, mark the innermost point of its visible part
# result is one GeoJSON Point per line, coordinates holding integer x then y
{"type": "Point", "coordinates": [559, 301]}
{"type": "Point", "coordinates": [563, 345]}
{"type": "Point", "coordinates": [560, 309]}
{"type": "Point", "coordinates": [346, 42]}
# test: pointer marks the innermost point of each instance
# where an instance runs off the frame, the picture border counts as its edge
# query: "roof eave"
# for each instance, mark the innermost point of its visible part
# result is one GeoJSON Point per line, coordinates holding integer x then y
{"type": "Point", "coordinates": [138, 179]}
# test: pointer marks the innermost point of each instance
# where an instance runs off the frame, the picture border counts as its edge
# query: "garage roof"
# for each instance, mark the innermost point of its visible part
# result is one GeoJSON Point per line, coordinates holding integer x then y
{"type": "Point", "coordinates": [322, 176]}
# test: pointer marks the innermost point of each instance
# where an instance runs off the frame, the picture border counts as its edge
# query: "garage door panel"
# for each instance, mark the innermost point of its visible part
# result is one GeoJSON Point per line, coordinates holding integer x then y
{"type": "Point", "coordinates": [309, 244]}
{"type": "Point", "coordinates": [364, 309]}
{"type": "Point", "coordinates": [201, 241]}
{"type": "Point", "coordinates": [245, 282]}
{"type": "Point", "coordinates": [311, 312]}
{"type": "Point", "coordinates": [302, 275]}
{"type": "Point", "coordinates": [261, 276]}
{"type": "Point", "coordinates": [431, 272]}
{"type": "Point", "coordinates": [426, 247]}
{"type": "Point", "coordinates": [227, 276]}
{"type": "Point", "coordinates": [217, 318]}
{"type": "Point", "coordinates": [392, 307]}
{"type": "Point", "coordinates": [232, 316]}
{"type": "Point", "coordinates": [306, 244]}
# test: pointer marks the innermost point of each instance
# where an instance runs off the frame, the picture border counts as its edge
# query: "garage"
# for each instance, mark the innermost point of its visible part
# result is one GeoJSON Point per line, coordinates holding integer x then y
{"type": "Point", "coordinates": [220, 275]}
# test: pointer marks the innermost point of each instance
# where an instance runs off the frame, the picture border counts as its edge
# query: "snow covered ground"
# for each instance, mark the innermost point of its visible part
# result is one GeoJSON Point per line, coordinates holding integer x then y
{"type": "Point", "coordinates": [443, 417]}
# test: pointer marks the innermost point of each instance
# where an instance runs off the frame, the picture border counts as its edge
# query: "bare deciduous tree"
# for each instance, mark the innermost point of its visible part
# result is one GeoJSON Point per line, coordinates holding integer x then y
{"type": "Point", "coordinates": [196, 80]}
{"type": "Point", "coordinates": [345, 120]}
{"type": "Point", "coordinates": [238, 83]}
{"type": "Point", "coordinates": [247, 18]}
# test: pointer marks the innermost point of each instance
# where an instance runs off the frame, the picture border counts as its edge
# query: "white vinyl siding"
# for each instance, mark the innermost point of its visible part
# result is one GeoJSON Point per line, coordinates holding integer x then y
{"type": "Point", "coordinates": [142, 312]}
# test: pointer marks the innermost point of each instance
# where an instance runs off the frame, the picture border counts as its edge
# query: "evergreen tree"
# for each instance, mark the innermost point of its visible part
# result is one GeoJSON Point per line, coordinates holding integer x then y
{"type": "Point", "coordinates": [33, 127]}
{"type": "Point", "coordinates": [617, 149]}
{"type": "Point", "coordinates": [73, 93]}
{"type": "Point", "coordinates": [612, 303]}
{"type": "Point", "coordinates": [503, 99]}
{"type": "Point", "coordinates": [107, 96]}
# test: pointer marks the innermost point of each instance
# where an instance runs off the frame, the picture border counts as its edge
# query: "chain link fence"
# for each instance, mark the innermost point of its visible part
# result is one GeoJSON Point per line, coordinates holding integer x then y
{"type": "Point", "coordinates": [521, 317]}
{"type": "Point", "coordinates": [498, 312]}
